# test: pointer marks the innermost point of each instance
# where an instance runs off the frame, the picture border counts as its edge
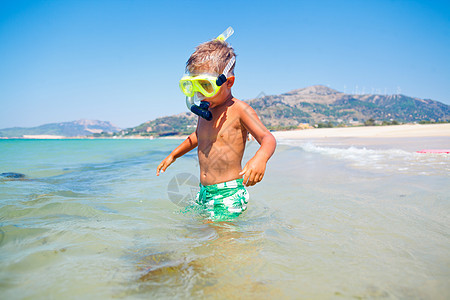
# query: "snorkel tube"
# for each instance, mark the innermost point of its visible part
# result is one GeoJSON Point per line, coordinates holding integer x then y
{"type": "Point", "coordinates": [202, 109]}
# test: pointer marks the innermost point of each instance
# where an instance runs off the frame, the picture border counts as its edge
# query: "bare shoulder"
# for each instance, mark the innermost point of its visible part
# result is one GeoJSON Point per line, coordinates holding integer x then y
{"type": "Point", "coordinates": [240, 104]}
{"type": "Point", "coordinates": [242, 107]}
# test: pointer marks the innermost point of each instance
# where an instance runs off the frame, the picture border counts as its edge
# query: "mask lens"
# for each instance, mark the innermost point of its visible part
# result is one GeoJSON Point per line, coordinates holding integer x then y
{"type": "Point", "coordinates": [187, 87]}
{"type": "Point", "coordinates": [206, 85]}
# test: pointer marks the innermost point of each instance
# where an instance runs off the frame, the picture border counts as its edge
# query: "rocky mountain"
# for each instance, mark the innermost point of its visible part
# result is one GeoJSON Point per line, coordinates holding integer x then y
{"type": "Point", "coordinates": [315, 105]}
{"type": "Point", "coordinates": [183, 123]}
{"type": "Point", "coordinates": [68, 129]}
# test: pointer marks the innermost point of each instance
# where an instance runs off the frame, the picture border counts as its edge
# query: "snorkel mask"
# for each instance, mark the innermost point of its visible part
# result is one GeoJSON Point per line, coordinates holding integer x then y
{"type": "Point", "coordinates": [198, 87]}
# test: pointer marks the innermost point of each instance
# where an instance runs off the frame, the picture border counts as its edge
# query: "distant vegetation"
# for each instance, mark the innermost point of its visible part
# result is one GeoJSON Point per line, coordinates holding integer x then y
{"type": "Point", "coordinates": [181, 124]}
{"type": "Point", "coordinates": [323, 107]}
{"type": "Point", "coordinates": [68, 129]}
{"type": "Point", "coordinates": [315, 106]}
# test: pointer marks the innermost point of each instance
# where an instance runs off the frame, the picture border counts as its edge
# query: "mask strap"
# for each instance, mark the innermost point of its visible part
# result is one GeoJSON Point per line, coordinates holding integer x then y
{"type": "Point", "coordinates": [223, 77]}
{"type": "Point", "coordinates": [229, 66]}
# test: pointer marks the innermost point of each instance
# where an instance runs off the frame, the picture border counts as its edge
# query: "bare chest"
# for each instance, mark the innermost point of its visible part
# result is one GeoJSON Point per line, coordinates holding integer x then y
{"type": "Point", "coordinates": [223, 130]}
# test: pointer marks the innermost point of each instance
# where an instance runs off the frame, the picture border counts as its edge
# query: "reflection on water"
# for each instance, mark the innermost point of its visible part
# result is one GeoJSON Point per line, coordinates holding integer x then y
{"type": "Point", "coordinates": [324, 223]}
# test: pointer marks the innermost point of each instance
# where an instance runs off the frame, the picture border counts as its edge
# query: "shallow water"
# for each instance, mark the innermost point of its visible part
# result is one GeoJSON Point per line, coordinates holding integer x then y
{"type": "Point", "coordinates": [90, 219]}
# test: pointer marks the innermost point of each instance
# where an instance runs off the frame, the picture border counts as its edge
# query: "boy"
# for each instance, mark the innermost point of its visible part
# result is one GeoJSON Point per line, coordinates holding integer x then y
{"type": "Point", "coordinates": [221, 141]}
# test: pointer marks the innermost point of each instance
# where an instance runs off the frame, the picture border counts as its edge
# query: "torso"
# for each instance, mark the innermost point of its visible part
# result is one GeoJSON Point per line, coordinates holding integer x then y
{"type": "Point", "coordinates": [221, 144]}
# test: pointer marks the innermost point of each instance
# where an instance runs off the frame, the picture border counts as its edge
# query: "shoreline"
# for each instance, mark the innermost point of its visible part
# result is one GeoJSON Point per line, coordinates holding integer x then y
{"type": "Point", "coordinates": [57, 137]}
{"type": "Point", "coordinates": [372, 132]}
{"type": "Point", "coordinates": [405, 137]}
{"type": "Point", "coordinates": [391, 131]}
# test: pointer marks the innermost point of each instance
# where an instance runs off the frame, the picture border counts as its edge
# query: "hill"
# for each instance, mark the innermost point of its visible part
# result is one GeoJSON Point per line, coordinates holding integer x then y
{"type": "Point", "coordinates": [180, 124]}
{"type": "Point", "coordinates": [315, 105]}
{"type": "Point", "coordinates": [319, 104]}
{"type": "Point", "coordinates": [67, 129]}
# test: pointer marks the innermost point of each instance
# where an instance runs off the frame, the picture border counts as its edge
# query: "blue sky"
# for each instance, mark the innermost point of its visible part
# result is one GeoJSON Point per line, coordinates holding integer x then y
{"type": "Point", "coordinates": [121, 61]}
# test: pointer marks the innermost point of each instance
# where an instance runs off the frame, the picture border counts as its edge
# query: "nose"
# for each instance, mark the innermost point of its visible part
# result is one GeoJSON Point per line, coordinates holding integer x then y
{"type": "Point", "coordinates": [200, 96]}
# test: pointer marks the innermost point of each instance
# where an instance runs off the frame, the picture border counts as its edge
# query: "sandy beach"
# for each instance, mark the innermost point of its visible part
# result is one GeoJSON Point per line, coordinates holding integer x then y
{"type": "Point", "coordinates": [397, 131]}
{"type": "Point", "coordinates": [407, 137]}
{"type": "Point", "coordinates": [43, 137]}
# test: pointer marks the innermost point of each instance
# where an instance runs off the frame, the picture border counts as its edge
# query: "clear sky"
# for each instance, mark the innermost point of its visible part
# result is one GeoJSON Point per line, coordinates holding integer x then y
{"type": "Point", "coordinates": [121, 61]}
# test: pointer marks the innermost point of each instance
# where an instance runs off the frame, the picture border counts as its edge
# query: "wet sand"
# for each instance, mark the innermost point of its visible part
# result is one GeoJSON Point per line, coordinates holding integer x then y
{"type": "Point", "coordinates": [406, 137]}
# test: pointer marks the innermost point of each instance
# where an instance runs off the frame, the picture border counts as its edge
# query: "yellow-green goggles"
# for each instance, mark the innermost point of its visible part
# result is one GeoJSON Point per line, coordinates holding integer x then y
{"type": "Point", "coordinates": [204, 84]}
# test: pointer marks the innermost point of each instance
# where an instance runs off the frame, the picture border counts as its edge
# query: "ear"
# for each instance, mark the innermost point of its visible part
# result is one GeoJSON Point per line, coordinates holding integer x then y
{"type": "Point", "coordinates": [230, 81]}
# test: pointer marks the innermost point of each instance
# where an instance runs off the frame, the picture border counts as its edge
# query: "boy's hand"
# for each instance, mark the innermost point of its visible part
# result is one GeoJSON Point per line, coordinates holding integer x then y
{"type": "Point", "coordinates": [164, 164]}
{"type": "Point", "coordinates": [253, 171]}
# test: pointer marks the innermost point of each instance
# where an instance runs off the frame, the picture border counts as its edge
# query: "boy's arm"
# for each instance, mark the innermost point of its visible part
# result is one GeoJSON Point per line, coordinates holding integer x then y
{"type": "Point", "coordinates": [186, 146]}
{"type": "Point", "coordinates": [255, 168]}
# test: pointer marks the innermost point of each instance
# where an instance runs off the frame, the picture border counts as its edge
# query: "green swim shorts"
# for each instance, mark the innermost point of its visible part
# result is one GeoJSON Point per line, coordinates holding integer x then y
{"type": "Point", "coordinates": [223, 201]}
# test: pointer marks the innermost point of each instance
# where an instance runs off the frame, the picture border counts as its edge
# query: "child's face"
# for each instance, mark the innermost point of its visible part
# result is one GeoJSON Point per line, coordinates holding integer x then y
{"type": "Point", "coordinates": [223, 93]}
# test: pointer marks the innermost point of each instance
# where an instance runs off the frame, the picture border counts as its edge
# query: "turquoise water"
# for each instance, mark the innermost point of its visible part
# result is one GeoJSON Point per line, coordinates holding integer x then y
{"type": "Point", "coordinates": [91, 220]}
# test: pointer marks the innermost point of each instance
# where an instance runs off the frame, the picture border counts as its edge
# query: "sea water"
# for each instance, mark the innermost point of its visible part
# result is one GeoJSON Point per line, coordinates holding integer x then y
{"type": "Point", "coordinates": [91, 220]}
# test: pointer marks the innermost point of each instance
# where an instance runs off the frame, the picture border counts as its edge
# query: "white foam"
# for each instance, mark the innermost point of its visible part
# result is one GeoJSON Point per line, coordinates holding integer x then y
{"type": "Point", "coordinates": [392, 160]}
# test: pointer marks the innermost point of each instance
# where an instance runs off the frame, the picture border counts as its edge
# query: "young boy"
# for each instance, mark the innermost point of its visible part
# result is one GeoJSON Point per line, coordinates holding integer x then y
{"type": "Point", "coordinates": [221, 141]}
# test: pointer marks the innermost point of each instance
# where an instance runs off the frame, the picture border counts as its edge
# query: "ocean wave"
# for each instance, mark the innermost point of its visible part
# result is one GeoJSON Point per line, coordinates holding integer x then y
{"type": "Point", "coordinates": [386, 160]}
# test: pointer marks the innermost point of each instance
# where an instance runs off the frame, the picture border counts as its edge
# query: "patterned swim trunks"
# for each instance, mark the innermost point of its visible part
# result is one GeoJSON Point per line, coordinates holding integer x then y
{"type": "Point", "coordinates": [223, 201]}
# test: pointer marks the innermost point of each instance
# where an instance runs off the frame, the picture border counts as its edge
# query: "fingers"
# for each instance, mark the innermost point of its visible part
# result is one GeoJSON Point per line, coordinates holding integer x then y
{"type": "Point", "coordinates": [162, 167]}
{"type": "Point", "coordinates": [252, 177]}
{"type": "Point", "coordinates": [243, 171]}
{"type": "Point", "coordinates": [164, 164]}
{"type": "Point", "coordinates": [247, 177]}
{"type": "Point", "coordinates": [158, 169]}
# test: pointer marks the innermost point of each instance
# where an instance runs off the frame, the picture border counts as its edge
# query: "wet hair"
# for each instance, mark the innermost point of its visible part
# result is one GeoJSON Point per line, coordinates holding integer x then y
{"type": "Point", "coordinates": [211, 57]}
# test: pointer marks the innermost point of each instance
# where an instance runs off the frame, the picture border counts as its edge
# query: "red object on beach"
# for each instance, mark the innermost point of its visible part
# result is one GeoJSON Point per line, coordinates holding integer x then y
{"type": "Point", "coordinates": [447, 151]}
